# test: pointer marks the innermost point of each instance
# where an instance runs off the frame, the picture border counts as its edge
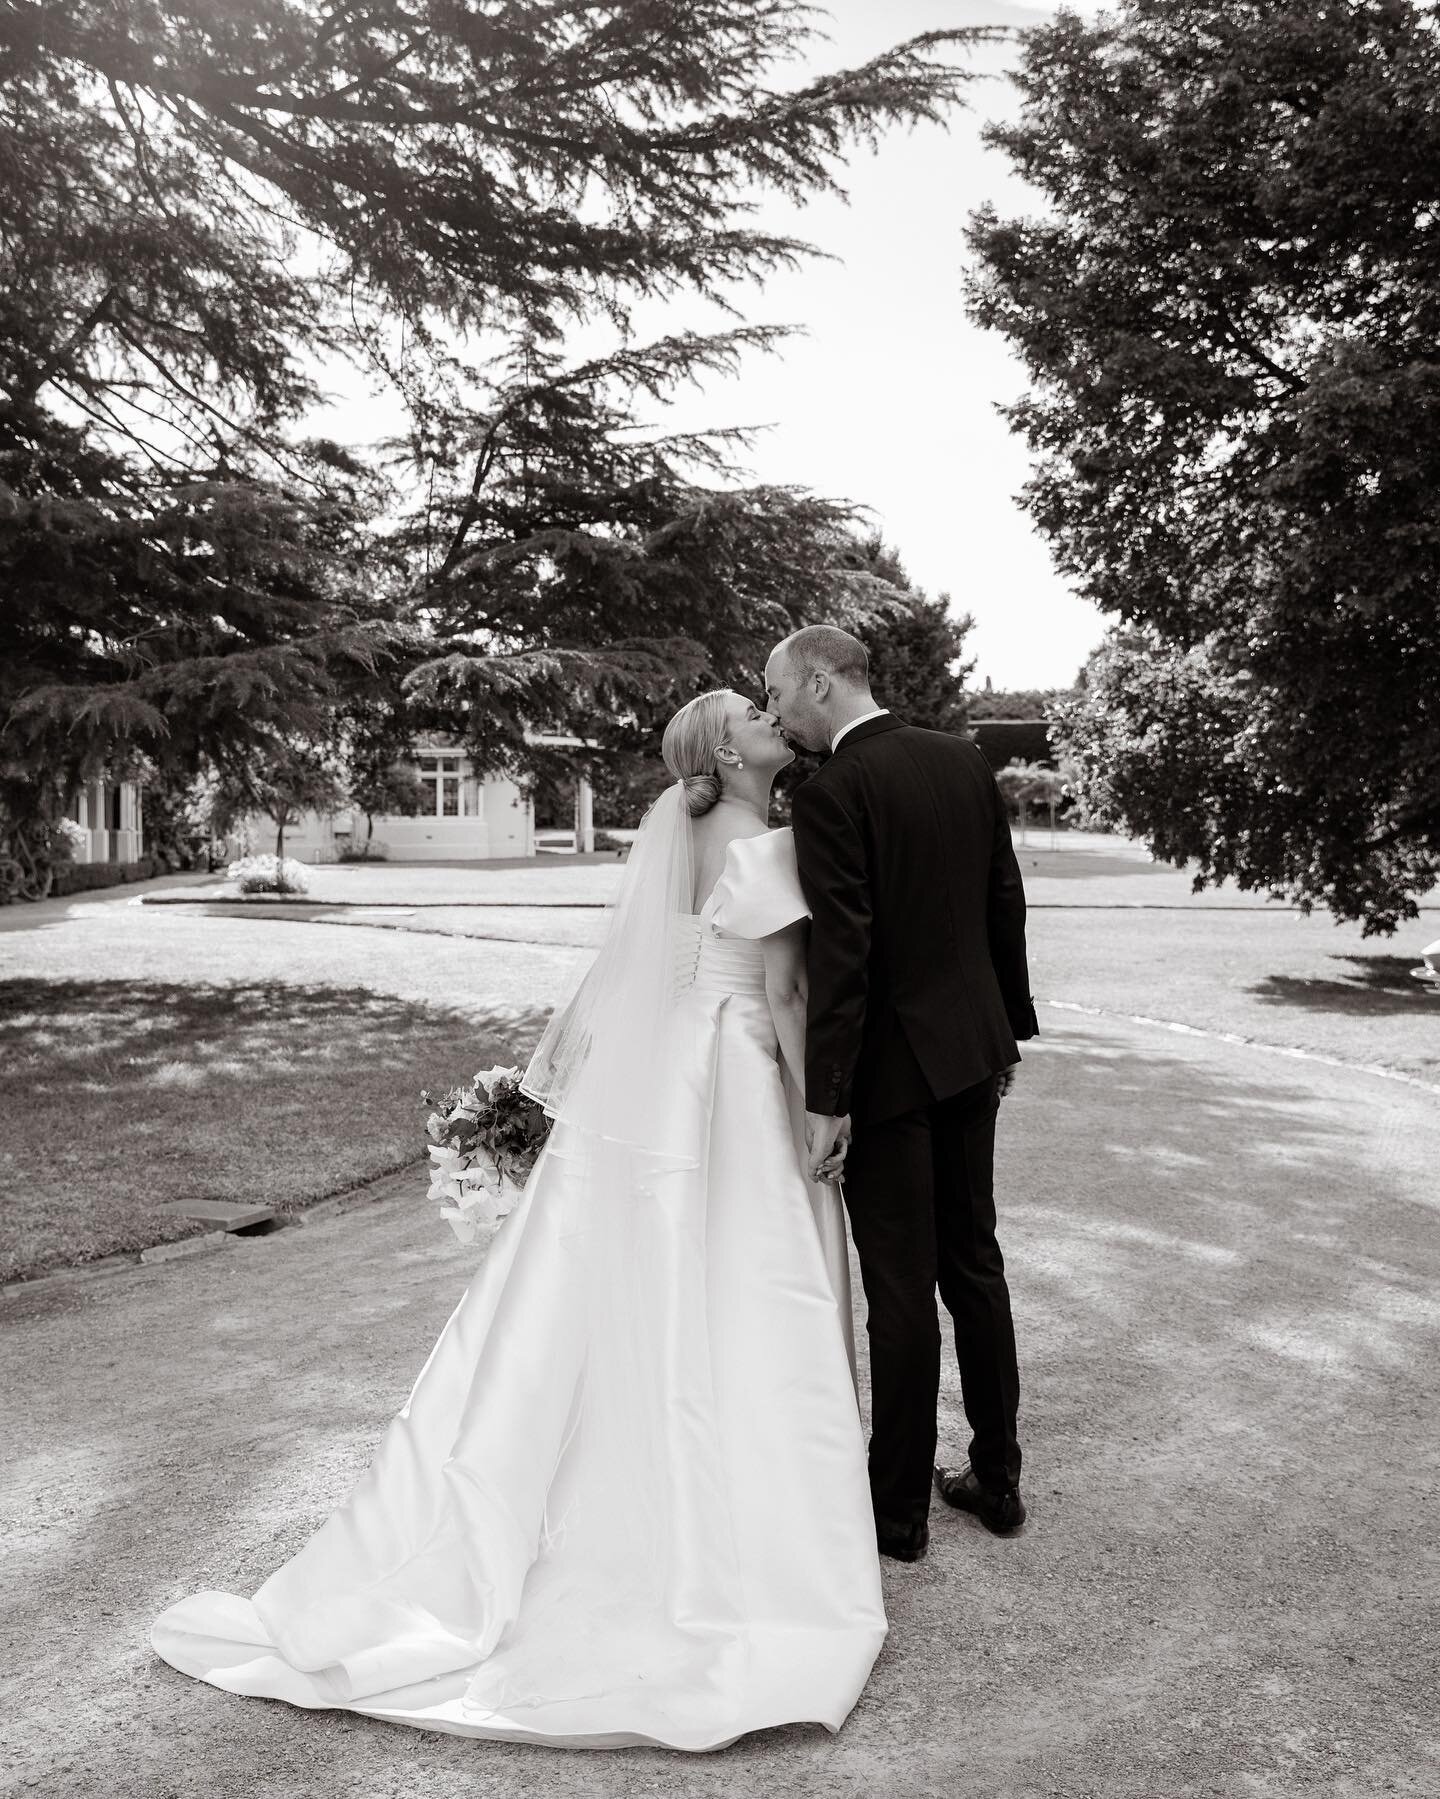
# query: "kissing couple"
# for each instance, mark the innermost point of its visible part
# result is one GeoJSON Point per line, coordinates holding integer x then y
{"type": "Point", "coordinates": [629, 1500]}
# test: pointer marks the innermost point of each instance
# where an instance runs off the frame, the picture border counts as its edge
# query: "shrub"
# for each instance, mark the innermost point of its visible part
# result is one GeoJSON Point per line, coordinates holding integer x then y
{"type": "Point", "coordinates": [374, 851]}
{"type": "Point", "coordinates": [268, 874]}
{"type": "Point", "coordinates": [1007, 740]}
{"type": "Point", "coordinates": [84, 877]}
{"type": "Point", "coordinates": [71, 838]}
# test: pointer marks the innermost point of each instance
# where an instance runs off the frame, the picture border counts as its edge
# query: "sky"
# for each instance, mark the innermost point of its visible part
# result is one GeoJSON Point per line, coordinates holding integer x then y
{"type": "Point", "coordinates": [889, 399]}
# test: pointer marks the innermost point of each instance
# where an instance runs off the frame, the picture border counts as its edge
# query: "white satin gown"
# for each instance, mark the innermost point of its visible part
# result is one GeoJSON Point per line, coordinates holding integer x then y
{"type": "Point", "coordinates": [626, 1501]}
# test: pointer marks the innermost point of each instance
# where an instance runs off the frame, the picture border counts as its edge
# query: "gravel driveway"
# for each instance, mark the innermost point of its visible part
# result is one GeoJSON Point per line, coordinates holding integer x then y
{"type": "Point", "coordinates": [1225, 1271]}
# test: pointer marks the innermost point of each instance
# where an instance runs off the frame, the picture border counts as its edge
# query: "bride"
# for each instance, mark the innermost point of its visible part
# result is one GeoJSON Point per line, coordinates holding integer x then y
{"type": "Point", "coordinates": [626, 1501]}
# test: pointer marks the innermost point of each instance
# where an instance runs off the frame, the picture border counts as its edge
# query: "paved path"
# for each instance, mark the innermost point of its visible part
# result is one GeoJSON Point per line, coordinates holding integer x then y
{"type": "Point", "coordinates": [1227, 1278]}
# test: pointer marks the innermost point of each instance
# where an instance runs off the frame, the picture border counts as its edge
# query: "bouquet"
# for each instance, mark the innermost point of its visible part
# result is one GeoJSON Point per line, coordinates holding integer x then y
{"type": "Point", "coordinates": [484, 1140]}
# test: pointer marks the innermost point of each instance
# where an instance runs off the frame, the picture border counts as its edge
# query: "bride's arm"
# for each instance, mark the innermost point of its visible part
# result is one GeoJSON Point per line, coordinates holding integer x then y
{"type": "Point", "coordinates": [785, 989]}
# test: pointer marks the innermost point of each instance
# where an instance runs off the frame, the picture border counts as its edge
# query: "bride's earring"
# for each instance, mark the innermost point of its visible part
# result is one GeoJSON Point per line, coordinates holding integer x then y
{"type": "Point", "coordinates": [738, 763]}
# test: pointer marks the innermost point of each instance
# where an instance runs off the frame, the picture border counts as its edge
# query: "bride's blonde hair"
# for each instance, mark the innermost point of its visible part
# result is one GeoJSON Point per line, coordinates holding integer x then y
{"type": "Point", "coordinates": [689, 745]}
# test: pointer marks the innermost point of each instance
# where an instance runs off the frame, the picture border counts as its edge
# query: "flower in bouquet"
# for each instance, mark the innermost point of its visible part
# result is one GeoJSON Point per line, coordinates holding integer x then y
{"type": "Point", "coordinates": [484, 1141]}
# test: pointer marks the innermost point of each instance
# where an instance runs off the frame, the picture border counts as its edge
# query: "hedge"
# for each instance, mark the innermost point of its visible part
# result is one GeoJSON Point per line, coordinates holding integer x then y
{"type": "Point", "coordinates": [1013, 740]}
{"type": "Point", "coordinates": [82, 877]}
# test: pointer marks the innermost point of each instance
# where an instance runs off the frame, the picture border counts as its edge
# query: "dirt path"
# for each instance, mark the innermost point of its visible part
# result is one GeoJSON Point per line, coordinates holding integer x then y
{"type": "Point", "coordinates": [1227, 1277]}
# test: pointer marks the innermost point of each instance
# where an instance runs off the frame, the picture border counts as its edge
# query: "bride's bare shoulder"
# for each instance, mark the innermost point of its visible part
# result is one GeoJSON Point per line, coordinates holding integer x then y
{"type": "Point", "coordinates": [720, 832]}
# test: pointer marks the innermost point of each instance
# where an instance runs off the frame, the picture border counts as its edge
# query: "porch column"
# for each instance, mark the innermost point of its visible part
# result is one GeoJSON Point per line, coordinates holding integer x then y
{"type": "Point", "coordinates": [584, 816]}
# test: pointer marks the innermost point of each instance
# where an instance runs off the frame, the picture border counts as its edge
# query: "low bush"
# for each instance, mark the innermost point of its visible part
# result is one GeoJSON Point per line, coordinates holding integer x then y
{"type": "Point", "coordinates": [374, 851]}
{"type": "Point", "coordinates": [269, 874]}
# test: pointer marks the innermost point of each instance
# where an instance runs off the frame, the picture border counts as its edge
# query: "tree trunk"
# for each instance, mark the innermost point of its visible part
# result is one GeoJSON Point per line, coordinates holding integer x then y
{"type": "Point", "coordinates": [280, 838]}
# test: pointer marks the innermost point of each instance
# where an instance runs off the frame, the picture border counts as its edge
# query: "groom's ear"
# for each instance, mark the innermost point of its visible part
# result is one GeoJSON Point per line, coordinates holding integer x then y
{"type": "Point", "coordinates": [820, 681]}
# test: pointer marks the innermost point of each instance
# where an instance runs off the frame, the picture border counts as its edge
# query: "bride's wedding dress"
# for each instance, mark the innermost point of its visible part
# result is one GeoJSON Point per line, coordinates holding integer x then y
{"type": "Point", "coordinates": [626, 1500]}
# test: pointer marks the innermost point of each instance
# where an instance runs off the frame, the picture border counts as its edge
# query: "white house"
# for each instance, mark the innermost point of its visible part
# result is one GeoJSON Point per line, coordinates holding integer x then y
{"type": "Point", "coordinates": [468, 817]}
{"type": "Point", "coordinates": [109, 811]}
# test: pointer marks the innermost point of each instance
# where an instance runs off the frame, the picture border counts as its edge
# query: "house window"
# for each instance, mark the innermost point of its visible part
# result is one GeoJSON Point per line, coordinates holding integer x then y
{"type": "Point", "coordinates": [441, 774]}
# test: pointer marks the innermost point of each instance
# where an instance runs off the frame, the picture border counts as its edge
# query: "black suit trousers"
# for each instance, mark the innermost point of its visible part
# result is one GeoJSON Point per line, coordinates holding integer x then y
{"type": "Point", "coordinates": [920, 1191]}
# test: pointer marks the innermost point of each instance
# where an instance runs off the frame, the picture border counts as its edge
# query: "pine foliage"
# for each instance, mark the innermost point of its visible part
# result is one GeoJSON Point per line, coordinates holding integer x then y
{"type": "Point", "coordinates": [200, 204]}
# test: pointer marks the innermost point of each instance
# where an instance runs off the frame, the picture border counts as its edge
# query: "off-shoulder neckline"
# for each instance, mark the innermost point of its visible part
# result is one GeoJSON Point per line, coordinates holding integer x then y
{"type": "Point", "coordinates": [752, 837]}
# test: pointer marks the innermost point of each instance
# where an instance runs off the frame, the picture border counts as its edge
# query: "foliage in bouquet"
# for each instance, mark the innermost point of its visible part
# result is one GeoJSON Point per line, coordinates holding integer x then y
{"type": "Point", "coordinates": [268, 874]}
{"type": "Point", "coordinates": [484, 1140]}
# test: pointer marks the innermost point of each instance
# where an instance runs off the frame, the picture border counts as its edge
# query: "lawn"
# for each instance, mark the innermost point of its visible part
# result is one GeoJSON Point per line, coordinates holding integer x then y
{"type": "Point", "coordinates": [121, 1095]}
{"type": "Point", "coordinates": [1129, 937]}
{"type": "Point", "coordinates": [152, 1053]}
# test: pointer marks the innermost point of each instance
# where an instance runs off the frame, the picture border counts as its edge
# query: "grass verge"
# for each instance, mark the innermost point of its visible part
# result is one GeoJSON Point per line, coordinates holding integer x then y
{"type": "Point", "coordinates": [119, 1096]}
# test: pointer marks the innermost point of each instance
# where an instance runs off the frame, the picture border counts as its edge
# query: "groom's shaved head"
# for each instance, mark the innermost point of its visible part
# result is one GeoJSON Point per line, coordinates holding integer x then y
{"type": "Point", "coordinates": [826, 648]}
{"type": "Point", "coordinates": [816, 681]}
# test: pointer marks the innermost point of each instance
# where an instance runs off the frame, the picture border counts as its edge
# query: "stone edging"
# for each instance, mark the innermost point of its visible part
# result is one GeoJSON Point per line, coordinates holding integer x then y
{"type": "Point", "coordinates": [183, 1248]}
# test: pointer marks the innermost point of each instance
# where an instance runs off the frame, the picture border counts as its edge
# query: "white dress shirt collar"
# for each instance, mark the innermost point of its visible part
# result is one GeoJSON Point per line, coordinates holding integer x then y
{"type": "Point", "coordinates": [864, 719]}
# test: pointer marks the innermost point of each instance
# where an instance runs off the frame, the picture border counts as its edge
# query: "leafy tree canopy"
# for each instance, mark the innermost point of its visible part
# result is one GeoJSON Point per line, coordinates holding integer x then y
{"type": "Point", "coordinates": [1229, 317]}
{"type": "Point", "coordinates": [202, 204]}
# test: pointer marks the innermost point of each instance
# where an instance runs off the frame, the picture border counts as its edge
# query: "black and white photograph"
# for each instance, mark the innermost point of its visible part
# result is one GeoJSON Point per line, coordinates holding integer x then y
{"type": "Point", "coordinates": [720, 899]}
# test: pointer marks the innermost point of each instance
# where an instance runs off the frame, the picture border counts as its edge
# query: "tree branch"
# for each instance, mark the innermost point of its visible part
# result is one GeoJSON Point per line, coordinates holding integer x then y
{"type": "Point", "coordinates": [1256, 354]}
{"type": "Point", "coordinates": [71, 344]}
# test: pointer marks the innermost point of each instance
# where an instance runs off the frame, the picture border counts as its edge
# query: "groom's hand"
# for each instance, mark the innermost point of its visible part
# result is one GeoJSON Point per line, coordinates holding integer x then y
{"type": "Point", "coordinates": [827, 1139]}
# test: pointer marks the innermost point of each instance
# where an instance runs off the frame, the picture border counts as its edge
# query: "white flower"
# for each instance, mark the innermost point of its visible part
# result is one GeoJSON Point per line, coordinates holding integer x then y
{"type": "Point", "coordinates": [493, 1076]}
{"type": "Point", "coordinates": [447, 1176]}
{"type": "Point", "coordinates": [482, 1177]}
{"type": "Point", "coordinates": [464, 1227]}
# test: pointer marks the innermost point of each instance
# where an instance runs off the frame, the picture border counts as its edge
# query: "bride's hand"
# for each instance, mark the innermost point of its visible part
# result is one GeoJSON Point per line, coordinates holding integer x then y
{"type": "Point", "coordinates": [832, 1167]}
{"type": "Point", "coordinates": [827, 1140]}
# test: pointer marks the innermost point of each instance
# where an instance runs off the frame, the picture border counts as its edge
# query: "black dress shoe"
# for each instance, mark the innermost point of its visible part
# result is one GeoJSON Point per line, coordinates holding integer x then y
{"type": "Point", "coordinates": [905, 1542]}
{"type": "Point", "coordinates": [1000, 1509]}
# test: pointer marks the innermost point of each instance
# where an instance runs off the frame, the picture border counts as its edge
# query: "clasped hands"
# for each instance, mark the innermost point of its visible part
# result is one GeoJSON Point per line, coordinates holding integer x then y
{"type": "Point", "coordinates": [828, 1141]}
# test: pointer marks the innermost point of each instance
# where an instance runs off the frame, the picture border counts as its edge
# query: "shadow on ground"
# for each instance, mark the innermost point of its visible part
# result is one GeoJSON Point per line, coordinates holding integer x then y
{"type": "Point", "coordinates": [1380, 986]}
{"type": "Point", "coordinates": [1225, 1272]}
{"type": "Point", "coordinates": [118, 1097]}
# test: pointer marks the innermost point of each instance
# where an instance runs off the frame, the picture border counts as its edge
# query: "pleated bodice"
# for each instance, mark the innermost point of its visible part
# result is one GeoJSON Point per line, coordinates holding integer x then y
{"type": "Point", "coordinates": [704, 960]}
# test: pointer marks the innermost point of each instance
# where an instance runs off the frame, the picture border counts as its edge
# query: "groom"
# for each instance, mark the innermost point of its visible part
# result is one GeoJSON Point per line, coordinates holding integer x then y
{"type": "Point", "coordinates": [918, 992]}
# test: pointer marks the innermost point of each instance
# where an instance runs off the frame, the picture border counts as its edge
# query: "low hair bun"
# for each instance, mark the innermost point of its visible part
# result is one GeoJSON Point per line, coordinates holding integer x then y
{"type": "Point", "coordinates": [691, 739]}
{"type": "Point", "coordinates": [701, 793]}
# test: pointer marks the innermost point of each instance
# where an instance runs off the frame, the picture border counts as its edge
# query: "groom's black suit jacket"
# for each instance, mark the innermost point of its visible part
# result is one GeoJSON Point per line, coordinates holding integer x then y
{"type": "Point", "coordinates": [918, 981]}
